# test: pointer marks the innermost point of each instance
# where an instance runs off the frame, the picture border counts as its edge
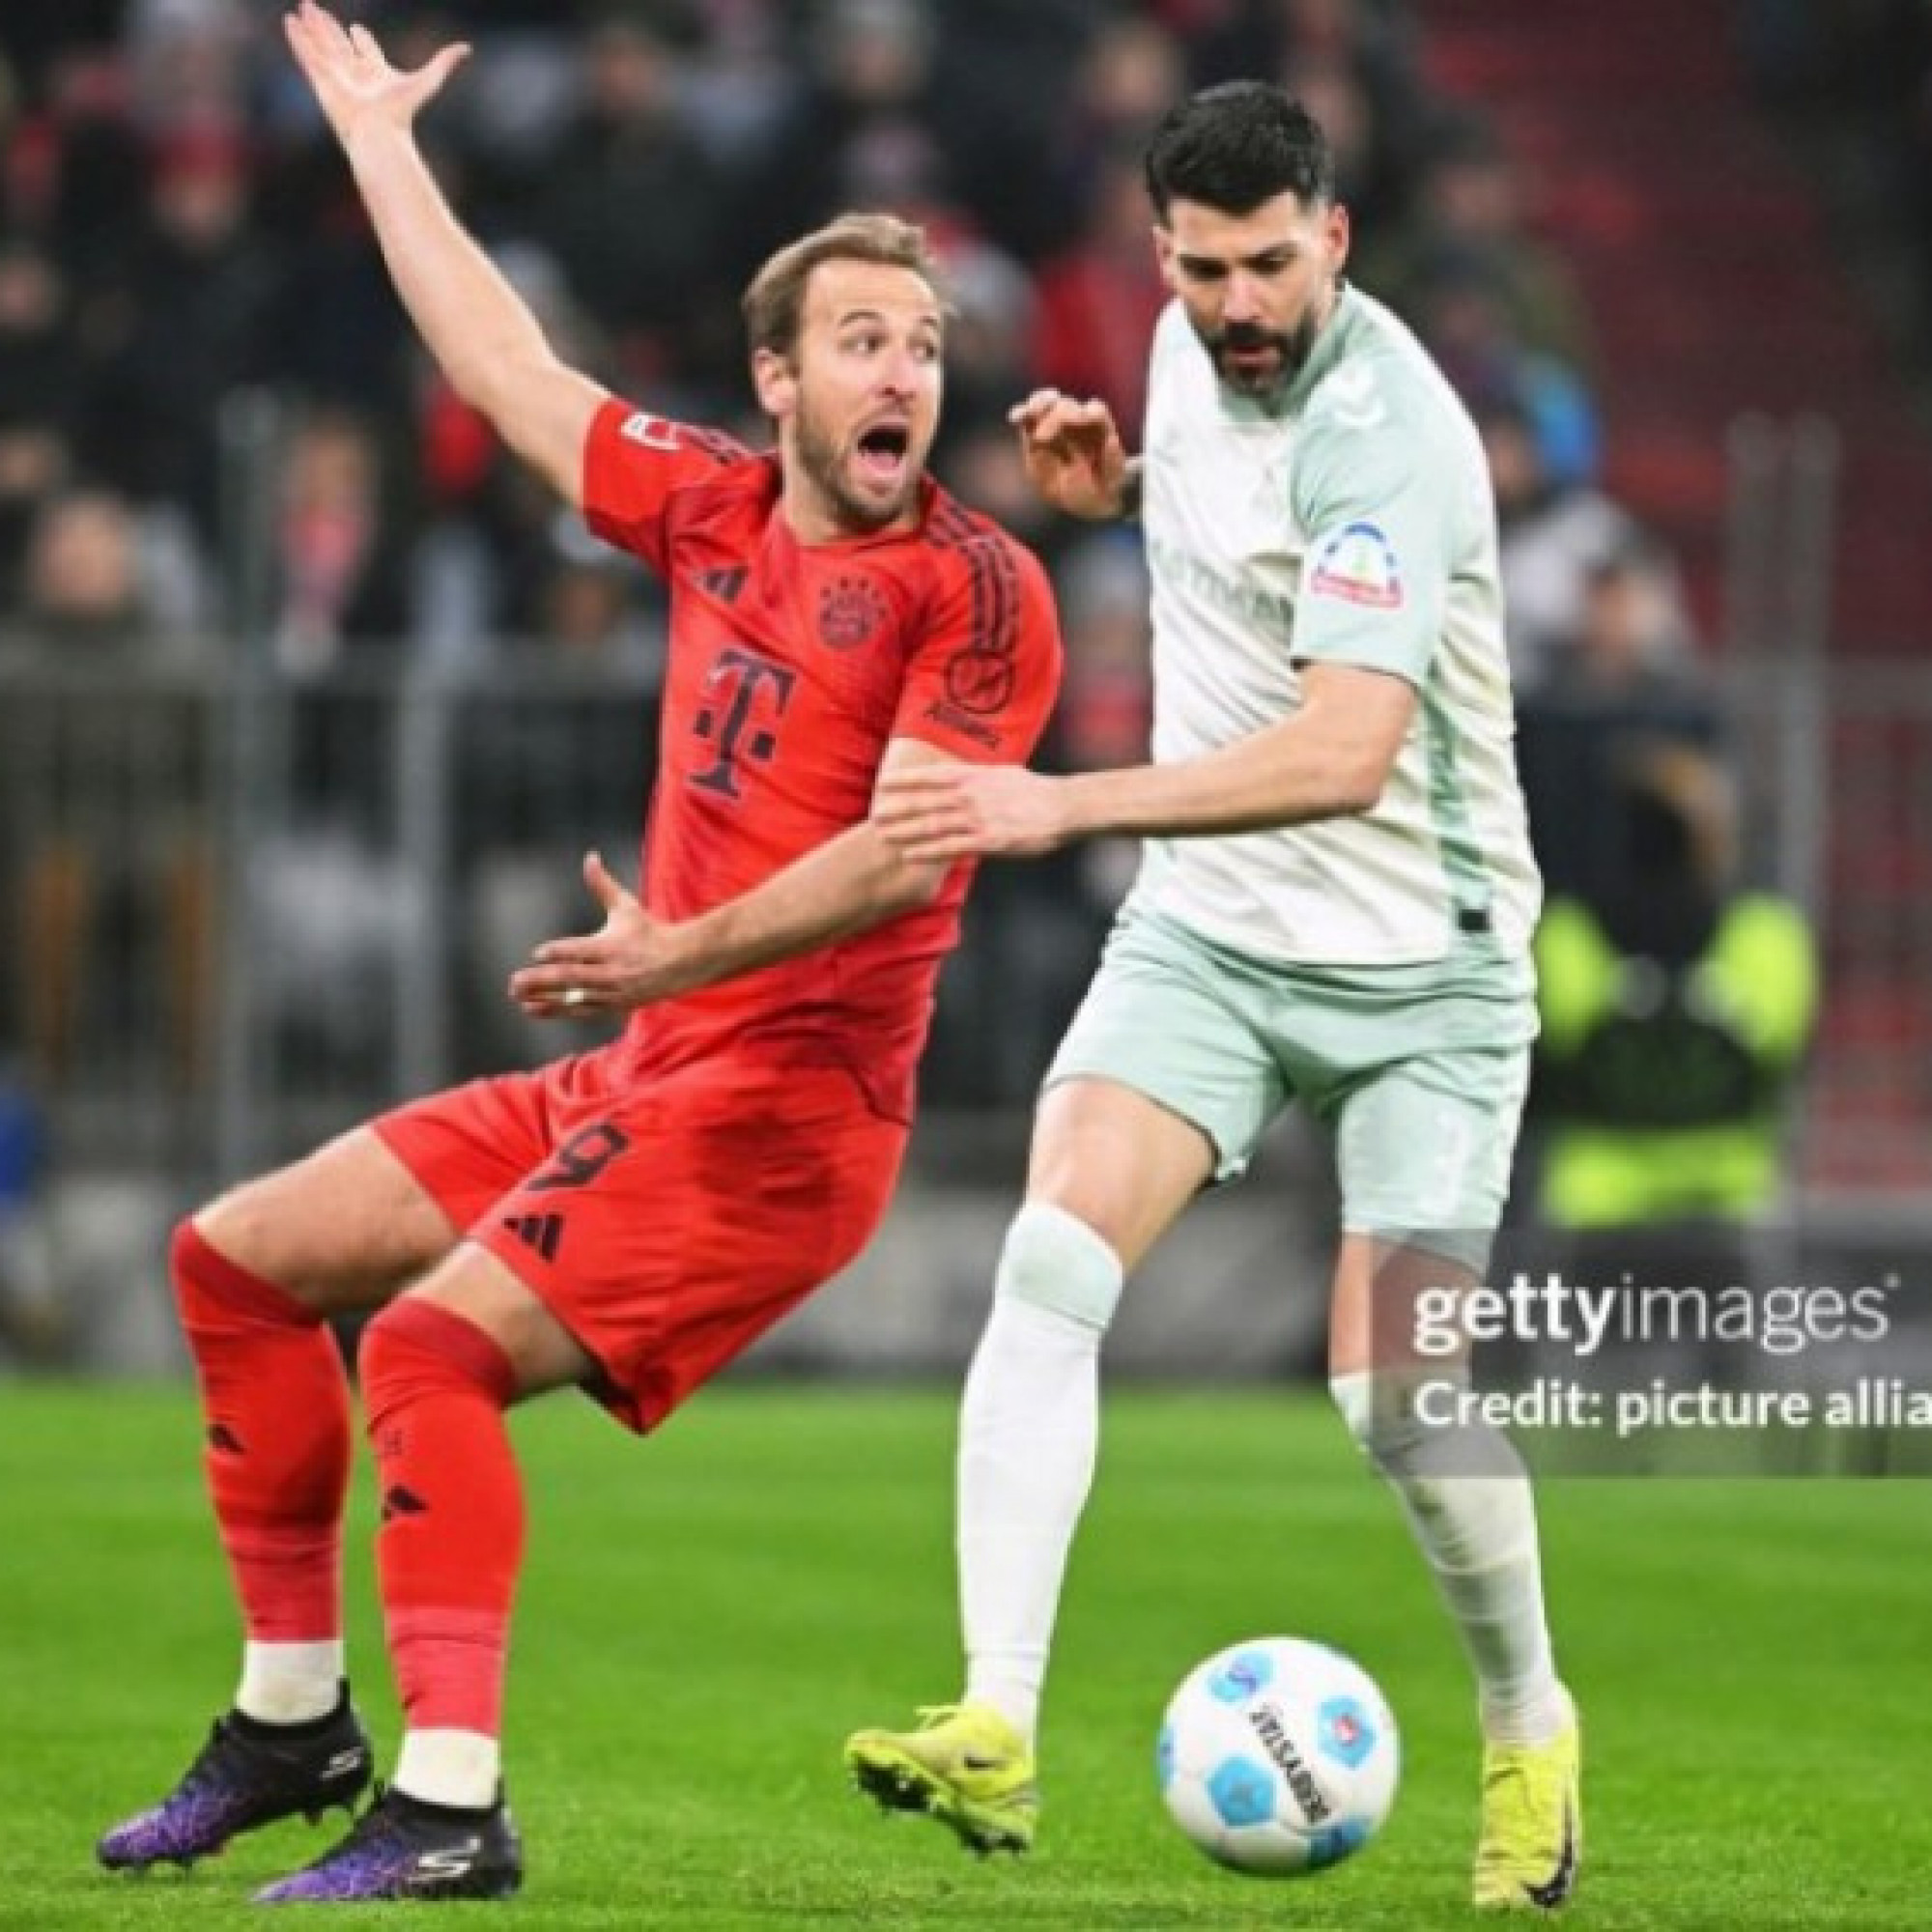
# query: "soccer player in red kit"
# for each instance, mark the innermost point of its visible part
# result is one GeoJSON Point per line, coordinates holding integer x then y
{"type": "Point", "coordinates": [625, 1220]}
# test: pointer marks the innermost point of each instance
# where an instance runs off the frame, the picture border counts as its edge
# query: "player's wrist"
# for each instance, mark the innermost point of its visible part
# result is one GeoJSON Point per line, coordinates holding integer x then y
{"type": "Point", "coordinates": [374, 141]}
{"type": "Point", "coordinates": [687, 962]}
{"type": "Point", "coordinates": [1096, 500]}
{"type": "Point", "coordinates": [1079, 807]}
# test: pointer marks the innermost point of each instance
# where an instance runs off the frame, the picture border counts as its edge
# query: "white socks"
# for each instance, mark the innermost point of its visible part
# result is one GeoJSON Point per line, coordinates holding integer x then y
{"type": "Point", "coordinates": [1478, 1533]}
{"type": "Point", "coordinates": [294, 1682]}
{"type": "Point", "coordinates": [1029, 1436]}
{"type": "Point", "coordinates": [290, 1683]}
{"type": "Point", "coordinates": [464, 1768]}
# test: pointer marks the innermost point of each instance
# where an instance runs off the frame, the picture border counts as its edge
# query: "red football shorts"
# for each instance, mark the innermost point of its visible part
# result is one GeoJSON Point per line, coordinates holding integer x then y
{"type": "Point", "coordinates": [666, 1222]}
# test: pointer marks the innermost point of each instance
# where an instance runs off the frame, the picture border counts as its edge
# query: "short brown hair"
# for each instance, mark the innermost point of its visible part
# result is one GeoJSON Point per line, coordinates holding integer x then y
{"type": "Point", "coordinates": [774, 304]}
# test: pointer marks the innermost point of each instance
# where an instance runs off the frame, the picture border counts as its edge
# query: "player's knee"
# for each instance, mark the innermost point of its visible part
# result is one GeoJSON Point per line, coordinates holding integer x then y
{"type": "Point", "coordinates": [214, 1293]}
{"type": "Point", "coordinates": [1053, 1260]}
{"type": "Point", "coordinates": [1378, 1415]}
{"type": "Point", "coordinates": [415, 1351]}
{"type": "Point", "coordinates": [1381, 1426]}
{"type": "Point", "coordinates": [186, 1270]}
{"type": "Point", "coordinates": [1463, 1487]}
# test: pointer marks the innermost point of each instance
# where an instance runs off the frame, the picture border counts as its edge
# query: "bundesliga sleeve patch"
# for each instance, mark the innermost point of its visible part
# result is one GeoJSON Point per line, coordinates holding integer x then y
{"type": "Point", "coordinates": [653, 432]}
{"type": "Point", "coordinates": [1356, 564]}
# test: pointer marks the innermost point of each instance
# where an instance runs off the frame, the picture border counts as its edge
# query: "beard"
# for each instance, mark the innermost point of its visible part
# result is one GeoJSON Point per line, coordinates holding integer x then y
{"type": "Point", "coordinates": [820, 458]}
{"type": "Point", "coordinates": [1291, 348]}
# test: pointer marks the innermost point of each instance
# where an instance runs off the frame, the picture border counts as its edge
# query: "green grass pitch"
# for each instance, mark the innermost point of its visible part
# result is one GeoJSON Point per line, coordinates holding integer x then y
{"type": "Point", "coordinates": [705, 1615]}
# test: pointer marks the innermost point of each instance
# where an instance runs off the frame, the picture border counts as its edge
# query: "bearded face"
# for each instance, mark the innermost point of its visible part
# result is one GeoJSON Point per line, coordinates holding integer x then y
{"type": "Point", "coordinates": [1257, 287]}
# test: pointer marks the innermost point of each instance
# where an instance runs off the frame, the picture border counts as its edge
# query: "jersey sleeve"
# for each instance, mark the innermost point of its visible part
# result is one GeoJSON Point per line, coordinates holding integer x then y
{"type": "Point", "coordinates": [634, 463]}
{"type": "Point", "coordinates": [981, 683]}
{"type": "Point", "coordinates": [1375, 578]}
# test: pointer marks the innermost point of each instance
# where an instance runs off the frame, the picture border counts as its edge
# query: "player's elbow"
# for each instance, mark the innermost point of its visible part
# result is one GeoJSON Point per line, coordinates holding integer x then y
{"type": "Point", "coordinates": [1359, 778]}
{"type": "Point", "coordinates": [1352, 728]}
{"type": "Point", "coordinates": [486, 378]}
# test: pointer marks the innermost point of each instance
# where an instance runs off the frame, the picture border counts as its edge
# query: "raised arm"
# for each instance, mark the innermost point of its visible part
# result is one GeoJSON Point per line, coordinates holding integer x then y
{"type": "Point", "coordinates": [476, 326]}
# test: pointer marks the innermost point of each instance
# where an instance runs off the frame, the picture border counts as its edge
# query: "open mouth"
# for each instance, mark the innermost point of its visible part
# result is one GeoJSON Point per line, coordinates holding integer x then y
{"type": "Point", "coordinates": [1250, 356]}
{"type": "Point", "coordinates": [884, 451]}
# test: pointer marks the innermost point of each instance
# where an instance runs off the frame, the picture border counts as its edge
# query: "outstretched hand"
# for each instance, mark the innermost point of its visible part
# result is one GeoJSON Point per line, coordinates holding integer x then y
{"type": "Point", "coordinates": [933, 813]}
{"type": "Point", "coordinates": [1074, 453]}
{"type": "Point", "coordinates": [351, 76]}
{"type": "Point", "coordinates": [631, 960]}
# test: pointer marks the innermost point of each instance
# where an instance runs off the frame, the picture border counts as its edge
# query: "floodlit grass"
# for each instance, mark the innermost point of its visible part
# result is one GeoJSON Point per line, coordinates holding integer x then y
{"type": "Point", "coordinates": [704, 1617]}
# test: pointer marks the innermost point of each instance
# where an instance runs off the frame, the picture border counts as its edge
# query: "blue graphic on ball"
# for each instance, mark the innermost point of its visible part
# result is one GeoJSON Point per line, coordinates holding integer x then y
{"type": "Point", "coordinates": [1241, 1791]}
{"type": "Point", "coordinates": [1333, 1843]}
{"type": "Point", "coordinates": [1163, 1757]}
{"type": "Point", "coordinates": [1241, 1676]}
{"type": "Point", "coordinates": [1343, 1731]}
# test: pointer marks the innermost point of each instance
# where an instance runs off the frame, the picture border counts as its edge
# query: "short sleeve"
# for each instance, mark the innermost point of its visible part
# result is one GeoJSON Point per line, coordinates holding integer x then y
{"type": "Point", "coordinates": [981, 683]}
{"type": "Point", "coordinates": [1375, 578]}
{"type": "Point", "coordinates": [633, 464]}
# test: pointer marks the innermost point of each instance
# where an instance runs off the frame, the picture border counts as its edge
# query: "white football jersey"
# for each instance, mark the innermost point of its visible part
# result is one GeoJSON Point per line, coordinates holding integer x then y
{"type": "Point", "coordinates": [1351, 522]}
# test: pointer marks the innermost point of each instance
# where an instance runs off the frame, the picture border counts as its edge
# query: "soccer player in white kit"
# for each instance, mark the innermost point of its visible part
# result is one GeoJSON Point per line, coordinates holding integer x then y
{"type": "Point", "coordinates": [1334, 909]}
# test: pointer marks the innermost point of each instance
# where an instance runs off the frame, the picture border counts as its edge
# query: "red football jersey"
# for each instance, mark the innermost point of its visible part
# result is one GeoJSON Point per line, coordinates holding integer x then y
{"type": "Point", "coordinates": [791, 665]}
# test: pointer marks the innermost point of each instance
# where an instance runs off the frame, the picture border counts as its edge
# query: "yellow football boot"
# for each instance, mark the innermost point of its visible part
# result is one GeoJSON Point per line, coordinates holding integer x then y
{"type": "Point", "coordinates": [964, 1765]}
{"type": "Point", "coordinates": [1532, 1839]}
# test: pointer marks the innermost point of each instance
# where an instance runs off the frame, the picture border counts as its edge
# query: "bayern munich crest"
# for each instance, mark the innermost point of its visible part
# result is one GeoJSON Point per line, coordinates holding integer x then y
{"type": "Point", "coordinates": [851, 612]}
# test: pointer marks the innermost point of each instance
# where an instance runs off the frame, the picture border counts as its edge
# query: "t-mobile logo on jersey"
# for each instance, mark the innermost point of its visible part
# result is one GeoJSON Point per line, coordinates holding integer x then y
{"type": "Point", "coordinates": [746, 696]}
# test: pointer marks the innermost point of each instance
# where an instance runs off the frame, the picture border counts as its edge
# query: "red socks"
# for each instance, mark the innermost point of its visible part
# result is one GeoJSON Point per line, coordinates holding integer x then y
{"type": "Point", "coordinates": [435, 1387]}
{"type": "Point", "coordinates": [276, 1401]}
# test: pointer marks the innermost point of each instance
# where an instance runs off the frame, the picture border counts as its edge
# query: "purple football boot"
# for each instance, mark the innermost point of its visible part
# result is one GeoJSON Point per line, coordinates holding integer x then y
{"type": "Point", "coordinates": [246, 1774]}
{"type": "Point", "coordinates": [404, 1848]}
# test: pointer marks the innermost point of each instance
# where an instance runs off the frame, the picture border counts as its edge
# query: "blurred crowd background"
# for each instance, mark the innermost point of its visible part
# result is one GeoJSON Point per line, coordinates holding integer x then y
{"type": "Point", "coordinates": [308, 697]}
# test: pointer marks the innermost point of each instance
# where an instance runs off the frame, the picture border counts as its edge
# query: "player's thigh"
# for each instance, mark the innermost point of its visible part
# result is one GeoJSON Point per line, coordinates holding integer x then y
{"type": "Point", "coordinates": [1423, 1154]}
{"type": "Point", "coordinates": [341, 1230]}
{"type": "Point", "coordinates": [542, 1351]}
{"type": "Point", "coordinates": [1423, 1147]}
{"type": "Point", "coordinates": [1164, 1082]}
{"type": "Point", "coordinates": [1120, 1162]}
{"type": "Point", "coordinates": [1386, 1303]}
{"type": "Point", "coordinates": [354, 1223]}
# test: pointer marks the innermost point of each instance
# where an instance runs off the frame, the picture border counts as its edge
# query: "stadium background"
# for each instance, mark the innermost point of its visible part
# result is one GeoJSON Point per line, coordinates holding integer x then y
{"type": "Point", "coordinates": [307, 703]}
{"type": "Point", "coordinates": [309, 698]}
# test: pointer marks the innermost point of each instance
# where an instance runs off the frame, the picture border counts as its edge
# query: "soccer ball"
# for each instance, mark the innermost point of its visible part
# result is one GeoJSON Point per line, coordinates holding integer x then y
{"type": "Point", "coordinates": [1278, 1756]}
